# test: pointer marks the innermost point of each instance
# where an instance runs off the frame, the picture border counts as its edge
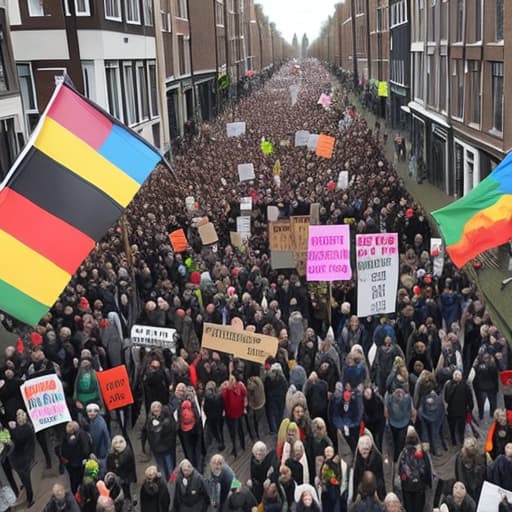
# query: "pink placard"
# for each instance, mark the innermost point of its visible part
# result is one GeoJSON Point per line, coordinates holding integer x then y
{"type": "Point", "coordinates": [329, 253]}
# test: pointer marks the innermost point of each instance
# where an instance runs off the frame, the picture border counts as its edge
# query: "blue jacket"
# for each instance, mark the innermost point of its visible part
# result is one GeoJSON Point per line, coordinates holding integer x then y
{"type": "Point", "coordinates": [100, 437]}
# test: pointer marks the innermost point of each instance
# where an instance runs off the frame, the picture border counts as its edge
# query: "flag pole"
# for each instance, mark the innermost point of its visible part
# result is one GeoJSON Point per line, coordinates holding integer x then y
{"type": "Point", "coordinates": [329, 310]}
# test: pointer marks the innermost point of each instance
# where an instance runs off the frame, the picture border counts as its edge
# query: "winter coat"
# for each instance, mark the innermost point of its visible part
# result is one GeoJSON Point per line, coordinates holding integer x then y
{"type": "Point", "coordinates": [431, 408]}
{"type": "Point", "coordinates": [317, 398]}
{"type": "Point", "coordinates": [123, 465]}
{"type": "Point", "coordinates": [468, 504]}
{"type": "Point", "coordinates": [219, 486]}
{"type": "Point", "coordinates": [10, 396]}
{"type": "Point", "coordinates": [297, 326]}
{"type": "Point", "coordinates": [255, 393]}
{"type": "Point", "coordinates": [68, 505]}
{"type": "Point", "coordinates": [160, 432]}
{"type": "Point", "coordinates": [24, 440]}
{"type": "Point", "coordinates": [234, 400]}
{"type": "Point", "coordinates": [241, 501]}
{"type": "Point", "coordinates": [75, 448]}
{"type": "Point", "coordinates": [213, 405]}
{"type": "Point", "coordinates": [486, 376]}
{"type": "Point", "coordinates": [275, 388]}
{"type": "Point", "coordinates": [399, 410]}
{"type": "Point", "coordinates": [459, 398]}
{"type": "Point", "coordinates": [383, 364]}
{"type": "Point", "coordinates": [374, 464]}
{"type": "Point", "coordinates": [192, 497]}
{"type": "Point", "coordinates": [156, 385]}
{"type": "Point", "coordinates": [100, 436]}
{"type": "Point", "coordinates": [154, 496]}
{"type": "Point", "coordinates": [414, 469]}
{"type": "Point", "coordinates": [260, 471]}
{"type": "Point", "coordinates": [499, 472]}
{"type": "Point", "coordinates": [351, 417]}
{"type": "Point", "coordinates": [298, 376]}
{"type": "Point", "coordinates": [306, 356]}
{"type": "Point", "coordinates": [471, 470]}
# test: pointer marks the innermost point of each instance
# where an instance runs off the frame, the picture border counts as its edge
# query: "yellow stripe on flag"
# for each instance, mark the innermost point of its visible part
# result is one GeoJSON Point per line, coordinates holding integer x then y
{"type": "Point", "coordinates": [73, 153]}
{"type": "Point", "coordinates": [29, 272]}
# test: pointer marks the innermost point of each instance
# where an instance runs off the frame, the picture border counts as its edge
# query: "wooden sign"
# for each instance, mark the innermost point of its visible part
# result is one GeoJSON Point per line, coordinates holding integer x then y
{"type": "Point", "coordinates": [279, 235]}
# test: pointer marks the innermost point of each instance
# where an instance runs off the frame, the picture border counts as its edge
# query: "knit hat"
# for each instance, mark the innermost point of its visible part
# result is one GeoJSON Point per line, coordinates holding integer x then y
{"type": "Point", "coordinates": [92, 468]}
{"type": "Point", "coordinates": [83, 305]}
{"type": "Point", "coordinates": [187, 416]}
{"type": "Point", "coordinates": [195, 278]}
{"type": "Point", "coordinates": [92, 407]}
{"type": "Point", "coordinates": [36, 339]}
{"type": "Point", "coordinates": [235, 484]}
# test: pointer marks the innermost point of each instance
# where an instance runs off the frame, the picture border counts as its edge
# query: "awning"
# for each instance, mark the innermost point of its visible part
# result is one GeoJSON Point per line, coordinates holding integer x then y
{"type": "Point", "coordinates": [406, 109]}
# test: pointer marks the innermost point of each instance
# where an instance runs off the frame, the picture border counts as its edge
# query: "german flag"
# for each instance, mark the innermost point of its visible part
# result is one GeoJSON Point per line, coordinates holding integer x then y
{"type": "Point", "coordinates": [72, 181]}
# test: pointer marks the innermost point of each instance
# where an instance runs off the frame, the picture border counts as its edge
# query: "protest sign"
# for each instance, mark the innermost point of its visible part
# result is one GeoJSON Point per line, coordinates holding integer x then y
{"type": "Point", "coordinates": [279, 236]}
{"type": "Point", "coordinates": [491, 496]}
{"type": "Point", "coordinates": [115, 387]}
{"type": "Point", "coordinates": [178, 240]}
{"type": "Point", "coordinates": [437, 254]}
{"type": "Point", "coordinates": [299, 230]}
{"type": "Point", "coordinates": [236, 239]}
{"type": "Point", "coordinates": [277, 168]}
{"type": "Point", "coordinates": [246, 205]}
{"type": "Point", "coordinates": [329, 253]}
{"type": "Point", "coordinates": [235, 129]}
{"type": "Point", "coordinates": [190, 203]}
{"type": "Point", "coordinates": [324, 100]}
{"type": "Point", "coordinates": [312, 141]}
{"type": "Point", "coordinates": [342, 180]}
{"type": "Point", "coordinates": [325, 146]}
{"type": "Point", "coordinates": [148, 336]}
{"type": "Point", "coordinates": [45, 401]}
{"type": "Point", "coordinates": [314, 213]}
{"type": "Point", "coordinates": [272, 213]}
{"type": "Point", "coordinates": [208, 234]}
{"type": "Point", "coordinates": [301, 138]}
{"type": "Point", "coordinates": [377, 273]}
{"type": "Point", "coordinates": [243, 226]}
{"type": "Point", "coordinates": [246, 172]}
{"type": "Point", "coordinates": [242, 344]}
{"type": "Point", "coordinates": [294, 92]}
{"type": "Point", "coordinates": [282, 259]}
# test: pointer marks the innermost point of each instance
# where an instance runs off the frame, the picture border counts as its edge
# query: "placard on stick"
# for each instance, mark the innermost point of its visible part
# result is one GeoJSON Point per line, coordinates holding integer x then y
{"type": "Point", "coordinates": [208, 234]}
{"type": "Point", "coordinates": [178, 240]}
{"type": "Point", "coordinates": [246, 172]}
{"type": "Point", "coordinates": [115, 387]}
{"type": "Point", "coordinates": [325, 146]}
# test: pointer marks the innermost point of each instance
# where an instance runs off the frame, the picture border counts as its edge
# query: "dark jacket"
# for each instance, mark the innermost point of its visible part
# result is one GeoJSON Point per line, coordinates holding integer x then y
{"type": "Point", "coordinates": [10, 396]}
{"type": "Point", "coordinates": [471, 470]}
{"type": "Point", "coordinates": [192, 497]}
{"type": "Point", "coordinates": [459, 398]}
{"type": "Point", "coordinates": [374, 464]}
{"type": "Point", "coordinates": [154, 496]}
{"type": "Point", "coordinates": [75, 448]}
{"type": "Point", "coordinates": [123, 465]}
{"type": "Point", "coordinates": [160, 432]}
{"type": "Point", "coordinates": [24, 440]}
{"type": "Point", "coordinates": [68, 505]}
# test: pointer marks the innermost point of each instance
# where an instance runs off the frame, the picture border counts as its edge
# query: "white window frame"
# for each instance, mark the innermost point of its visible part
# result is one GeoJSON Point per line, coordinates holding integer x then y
{"type": "Point", "coordinates": [219, 3]}
{"type": "Point", "coordinates": [85, 12]}
{"type": "Point", "coordinates": [127, 86]}
{"type": "Point", "coordinates": [153, 109]}
{"type": "Point", "coordinates": [116, 4]}
{"type": "Point", "coordinates": [183, 8]}
{"type": "Point", "coordinates": [88, 67]}
{"type": "Point", "coordinates": [134, 4]}
{"type": "Point", "coordinates": [115, 65]}
{"type": "Point", "coordinates": [139, 65]}
{"type": "Point", "coordinates": [148, 12]}
{"type": "Point", "coordinates": [166, 21]}
{"type": "Point", "coordinates": [31, 12]}
{"type": "Point", "coordinates": [32, 86]}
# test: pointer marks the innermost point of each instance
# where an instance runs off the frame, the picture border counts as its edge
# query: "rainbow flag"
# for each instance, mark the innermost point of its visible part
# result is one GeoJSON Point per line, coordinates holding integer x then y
{"type": "Point", "coordinates": [71, 182]}
{"type": "Point", "coordinates": [480, 220]}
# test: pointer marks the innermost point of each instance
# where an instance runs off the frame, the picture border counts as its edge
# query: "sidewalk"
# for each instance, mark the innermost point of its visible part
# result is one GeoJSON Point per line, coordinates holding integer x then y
{"type": "Point", "coordinates": [495, 263]}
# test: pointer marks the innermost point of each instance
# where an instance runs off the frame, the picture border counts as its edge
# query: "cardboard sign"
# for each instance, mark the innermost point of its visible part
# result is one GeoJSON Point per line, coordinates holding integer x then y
{"type": "Point", "coordinates": [377, 273]}
{"type": "Point", "coordinates": [242, 344]}
{"type": "Point", "coordinates": [45, 401]}
{"type": "Point", "coordinates": [312, 141]}
{"type": "Point", "coordinates": [148, 336]}
{"type": "Point", "coordinates": [178, 240]}
{"type": "Point", "coordinates": [300, 230]}
{"type": "Point", "coordinates": [243, 226]}
{"type": "Point", "coordinates": [342, 180]}
{"type": "Point", "coordinates": [236, 239]}
{"type": "Point", "coordinates": [235, 129]}
{"type": "Point", "coordinates": [272, 213]}
{"type": "Point", "coordinates": [325, 146]}
{"type": "Point", "coordinates": [314, 213]}
{"type": "Point", "coordinates": [280, 236]}
{"type": "Point", "coordinates": [115, 387]}
{"type": "Point", "coordinates": [301, 138]}
{"type": "Point", "coordinates": [329, 253]}
{"type": "Point", "coordinates": [246, 172]}
{"type": "Point", "coordinates": [324, 100]}
{"type": "Point", "coordinates": [208, 234]}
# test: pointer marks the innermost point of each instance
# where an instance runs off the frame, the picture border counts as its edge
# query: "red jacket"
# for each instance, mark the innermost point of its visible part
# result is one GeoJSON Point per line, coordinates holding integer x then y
{"type": "Point", "coordinates": [234, 400]}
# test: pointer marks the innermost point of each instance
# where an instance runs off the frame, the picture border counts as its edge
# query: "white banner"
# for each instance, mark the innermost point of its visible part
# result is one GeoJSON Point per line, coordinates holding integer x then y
{"type": "Point", "coordinates": [246, 205]}
{"type": "Point", "coordinates": [377, 273]}
{"type": "Point", "coordinates": [243, 226]}
{"type": "Point", "coordinates": [149, 336]}
{"type": "Point", "coordinates": [235, 129]}
{"type": "Point", "coordinates": [45, 401]}
{"type": "Point", "coordinates": [301, 138]}
{"type": "Point", "coordinates": [342, 180]}
{"type": "Point", "coordinates": [437, 254]}
{"type": "Point", "coordinates": [491, 497]}
{"type": "Point", "coordinates": [246, 172]}
{"type": "Point", "coordinates": [312, 141]}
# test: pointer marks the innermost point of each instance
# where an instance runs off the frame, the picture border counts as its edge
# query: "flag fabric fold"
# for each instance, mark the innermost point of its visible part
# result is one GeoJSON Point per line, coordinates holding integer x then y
{"type": "Point", "coordinates": [77, 174]}
{"type": "Point", "coordinates": [480, 220]}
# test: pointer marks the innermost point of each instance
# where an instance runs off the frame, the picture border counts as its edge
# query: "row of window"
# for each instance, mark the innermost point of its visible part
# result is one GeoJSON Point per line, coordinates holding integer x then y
{"type": "Point", "coordinates": [466, 78]}
{"type": "Point", "coordinates": [398, 13]}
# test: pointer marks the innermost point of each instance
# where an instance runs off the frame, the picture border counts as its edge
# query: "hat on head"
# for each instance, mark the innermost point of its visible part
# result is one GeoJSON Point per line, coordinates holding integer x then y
{"type": "Point", "coordinates": [92, 407]}
{"type": "Point", "coordinates": [83, 305]}
{"type": "Point", "coordinates": [195, 277]}
{"type": "Point", "coordinates": [236, 484]}
{"type": "Point", "coordinates": [36, 339]}
{"type": "Point", "coordinates": [409, 213]}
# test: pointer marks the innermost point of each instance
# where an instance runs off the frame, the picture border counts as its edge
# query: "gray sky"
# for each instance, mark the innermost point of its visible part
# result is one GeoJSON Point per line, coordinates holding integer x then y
{"type": "Point", "coordinates": [298, 16]}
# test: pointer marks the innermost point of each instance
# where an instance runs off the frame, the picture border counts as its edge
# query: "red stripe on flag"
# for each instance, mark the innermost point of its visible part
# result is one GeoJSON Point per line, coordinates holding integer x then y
{"type": "Point", "coordinates": [46, 234]}
{"type": "Point", "coordinates": [80, 118]}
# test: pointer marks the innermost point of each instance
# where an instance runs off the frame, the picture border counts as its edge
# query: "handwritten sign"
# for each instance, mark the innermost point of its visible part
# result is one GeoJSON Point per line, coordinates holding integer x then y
{"type": "Point", "coordinates": [149, 336]}
{"type": "Point", "coordinates": [45, 401]}
{"type": "Point", "coordinates": [279, 235]}
{"type": "Point", "coordinates": [243, 226]}
{"type": "Point", "coordinates": [301, 138]}
{"type": "Point", "coordinates": [115, 387]}
{"type": "Point", "coordinates": [377, 273]}
{"type": "Point", "coordinates": [235, 129]}
{"type": "Point", "coordinates": [208, 234]}
{"type": "Point", "coordinates": [246, 172]}
{"type": "Point", "coordinates": [328, 253]}
{"type": "Point", "coordinates": [300, 229]}
{"type": "Point", "coordinates": [242, 344]}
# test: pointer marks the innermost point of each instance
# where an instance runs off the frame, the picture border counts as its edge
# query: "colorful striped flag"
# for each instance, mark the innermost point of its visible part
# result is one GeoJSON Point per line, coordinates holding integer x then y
{"type": "Point", "coordinates": [72, 181]}
{"type": "Point", "coordinates": [480, 220]}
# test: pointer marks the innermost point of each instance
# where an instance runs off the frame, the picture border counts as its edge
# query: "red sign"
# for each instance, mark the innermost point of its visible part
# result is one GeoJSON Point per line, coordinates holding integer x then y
{"type": "Point", "coordinates": [115, 387]}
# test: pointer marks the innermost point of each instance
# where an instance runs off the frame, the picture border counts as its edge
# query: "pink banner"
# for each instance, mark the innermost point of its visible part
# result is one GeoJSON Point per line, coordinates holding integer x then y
{"type": "Point", "coordinates": [329, 253]}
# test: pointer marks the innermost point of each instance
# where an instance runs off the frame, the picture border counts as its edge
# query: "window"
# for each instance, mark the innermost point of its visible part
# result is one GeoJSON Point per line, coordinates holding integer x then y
{"type": "Point", "coordinates": [148, 13]}
{"type": "Point", "coordinates": [181, 9]}
{"type": "Point", "coordinates": [166, 21]}
{"type": "Point", "coordinates": [181, 54]}
{"type": "Point", "coordinates": [132, 9]}
{"type": "Point", "coordinates": [418, 76]}
{"type": "Point", "coordinates": [398, 13]}
{"type": "Point", "coordinates": [379, 19]}
{"type": "Point", "coordinates": [142, 92]}
{"type": "Point", "coordinates": [113, 9]}
{"type": "Point", "coordinates": [113, 88]}
{"type": "Point", "coordinates": [499, 20]}
{"type": "Point", "coordinates": [460, 21]}
{"type": "Point", "coordinates": [421, 20]}
{"type": "Point", "coordinates": [129, 94]}
{"type": "Point", "coordinates": [443, 21]}
{"type": "Point", "coordinates": [81, 7]}
{"type": "Point", "coordinates": [442, 82]}
{"type": "Point", "coordinates": [474, 67]}
{"type": "Point", "coordinates": [219, 13]}
{"type": "Point", "coordinates": [478, 20]}
{"type": "Point", "coordinates": [88, 77]}
{"type": "Point", "coordinates": [458, 75]}
{"type": "Point", "coordinates": [28, 95]}
{"type": "Point", "coordinates": [35, 8]}
{"type": "Point", "coordinates": [432, 21]}
{"type": "Point", "coordinates": [497, 96]}
{"type": "Point", "coordinates": [432, 83]}
{"type": "Point", "coordinates": [153, 90]}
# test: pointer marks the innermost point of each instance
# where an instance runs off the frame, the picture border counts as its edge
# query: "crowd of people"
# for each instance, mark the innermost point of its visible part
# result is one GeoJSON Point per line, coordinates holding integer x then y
{"type": "Point", "coordinates": [352, 414]}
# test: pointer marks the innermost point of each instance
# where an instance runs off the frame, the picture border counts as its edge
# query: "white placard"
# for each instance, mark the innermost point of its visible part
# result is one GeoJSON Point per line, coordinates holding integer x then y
{"type": "Point", "coordinates": [294, 92]}
{"type": "Point", "coordinates": [246, 205]}
{"type": "Point", "coordinates": [491, 497]}
{"type": "Point", "coordinates": [301, 138]}
{"type": "Point", "coordinates": [437, 254]}
{"type": "Point", "coordinates": [190, 203]}
{"type": "Point", "coordinates": [272, 213]}
{"type": "Point", "coordinates": [377, 273]}
{"type": "Point", "coordinates": [342, 180]}
{"type": "Point", "coordinates": [246, 172]}
{"type": "Point", "coordinates": [312, 141]}
{"type": "Point", "coordinates": [235, 129]}
{"type": "Point", "coordinates": [243, 226]}
{"type": "Point", "coordinates": [149, 336]}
